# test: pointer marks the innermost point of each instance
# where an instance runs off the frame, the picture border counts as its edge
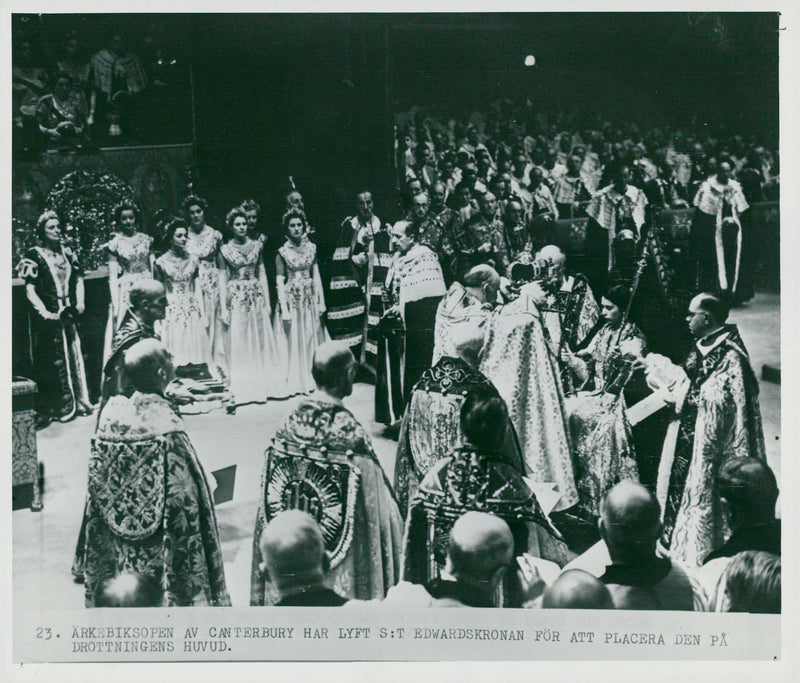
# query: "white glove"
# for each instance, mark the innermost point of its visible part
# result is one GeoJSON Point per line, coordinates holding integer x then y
{"type": "Point", "coordinates": [283, 301]}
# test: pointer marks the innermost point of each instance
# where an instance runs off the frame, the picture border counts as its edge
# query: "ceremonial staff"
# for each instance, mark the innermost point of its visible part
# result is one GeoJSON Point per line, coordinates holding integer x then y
{"type": "Point", "coordinates": [640, 266]}
{"type": "Point", "coordinates": [561, 343]}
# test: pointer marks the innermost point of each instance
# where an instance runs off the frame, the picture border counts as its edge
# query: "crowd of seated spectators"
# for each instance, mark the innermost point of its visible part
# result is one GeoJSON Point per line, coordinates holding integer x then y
{"type": "Point", "coordinates": [554, 164]}
{"type": "Point", "coordinates": [623, 571]}
{"type": "Point", "coordinates": [78, 93]}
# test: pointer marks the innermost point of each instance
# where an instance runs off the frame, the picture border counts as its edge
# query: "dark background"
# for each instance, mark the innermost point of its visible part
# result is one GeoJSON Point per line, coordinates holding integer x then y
{"type": "Point", "coordinates": [312, 96]}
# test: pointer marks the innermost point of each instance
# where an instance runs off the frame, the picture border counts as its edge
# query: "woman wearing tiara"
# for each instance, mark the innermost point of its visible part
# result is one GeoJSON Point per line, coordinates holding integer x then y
{"type": "Point", "coordinates": [183, 330]}
{"type": "Point", "coordinates": [254, 363]}
{"type": "Point", "coordinates": [203, 242]}
{"type": "Point", "coordinates": [130, 259]}
{"type": "Point", "coordinates": [54, 288]}
{"type": "Point", "coordinates": [301, 302]}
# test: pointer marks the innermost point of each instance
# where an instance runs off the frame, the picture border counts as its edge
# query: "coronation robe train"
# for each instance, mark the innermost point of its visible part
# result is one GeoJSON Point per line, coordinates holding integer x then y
{"type": "Point", "coordinates": [430, 430]}
{"type": "Point", "coordinates": [355, 301]}
{"type": "Point", "coordinates": [482, 481]}
{"type": "Point", "coordinates": [115, 383]}
{"type": "Point", "coordinates": [321, 461]}
{"type": "Point", "coordinates": [150, 508]}
{"type": "Point", "coordinates": [717, 419]}
{"type": "Point", "coordinates": [518, 361]}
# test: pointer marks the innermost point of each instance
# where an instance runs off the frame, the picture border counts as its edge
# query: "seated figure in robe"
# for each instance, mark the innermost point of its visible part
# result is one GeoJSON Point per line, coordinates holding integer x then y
{"type": "Point", "coordinates": [477, 477]}
{"type": "Point", "coordinates": [430, 429]}
{"type": "Point", "coordinates": [602, 445]}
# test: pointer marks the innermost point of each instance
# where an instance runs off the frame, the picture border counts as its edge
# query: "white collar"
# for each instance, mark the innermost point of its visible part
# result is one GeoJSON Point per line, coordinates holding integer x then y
{"type": "Point", "coordinates": [705, 350]}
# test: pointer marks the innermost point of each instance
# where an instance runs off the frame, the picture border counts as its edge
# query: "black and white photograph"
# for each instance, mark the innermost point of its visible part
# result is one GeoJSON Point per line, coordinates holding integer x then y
{"type": "Point", "coordinates": [390, 312]}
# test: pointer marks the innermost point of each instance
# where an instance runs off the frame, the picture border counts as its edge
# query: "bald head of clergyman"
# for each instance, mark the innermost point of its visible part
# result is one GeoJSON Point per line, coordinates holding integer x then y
{"type": "Point", "coordinates": [334, 369]}
{"type": "Point", "coordinates": [577, 589]}
{"type": "Point", "coordinates": [148, 300]}
{"type": "Point", "coordinates": [630, 522]}
{"type": "Point", "coordinates": [481, 549]}
{"type": "Point", "coordinates": [149, 366]}
{"type": "Point", "coordinates": [293, 552]}
{"type": "Point", "coordinates": [555, 256]}
{"type": "Point", "coordinates": [129, 590]}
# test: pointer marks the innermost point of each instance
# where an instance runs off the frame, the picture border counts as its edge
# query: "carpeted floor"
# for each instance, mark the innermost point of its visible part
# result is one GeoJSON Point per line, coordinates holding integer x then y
{"type": "Point", "coordinates": [44, 542]}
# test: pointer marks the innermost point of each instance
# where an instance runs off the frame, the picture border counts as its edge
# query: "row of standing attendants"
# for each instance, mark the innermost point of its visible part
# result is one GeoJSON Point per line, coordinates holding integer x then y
{"type": "Point", "coordinates": [219, 312]}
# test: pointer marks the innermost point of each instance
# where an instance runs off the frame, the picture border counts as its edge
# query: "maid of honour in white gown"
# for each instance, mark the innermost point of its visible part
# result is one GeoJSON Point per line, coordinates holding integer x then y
{"type": "Point", "coordinates": [184, 330]}
{"type": "Point", "coordinates": [300, 302]}
{"type": "Point", "coordinates": [254, 359]}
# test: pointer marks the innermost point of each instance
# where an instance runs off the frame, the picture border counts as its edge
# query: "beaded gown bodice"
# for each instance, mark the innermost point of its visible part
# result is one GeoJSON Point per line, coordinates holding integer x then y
{"type": "Point", "coordinates": [204, 247]}
{"type": "Point", "coordinates": [132, 253]}
{"type": "Point", "coordinates": [179, 272]}
{"type": "Point", "coordinates": [242, 262]}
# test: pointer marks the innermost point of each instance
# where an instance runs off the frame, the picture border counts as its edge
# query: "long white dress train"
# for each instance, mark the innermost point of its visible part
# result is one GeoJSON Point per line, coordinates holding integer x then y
{"type": "Point", "coordinates": [303, 332]}
{"type": "Point", "coordinates": [183, 330]}
{"type": "Point", "coordinates": [204, 246]}
{"type": "Point", "coordinates": [254, 357]}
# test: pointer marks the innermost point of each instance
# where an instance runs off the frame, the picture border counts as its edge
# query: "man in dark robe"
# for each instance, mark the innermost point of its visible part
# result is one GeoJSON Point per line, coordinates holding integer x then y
{"type": "Point", "coordinates": [613, 210]}
{"type": "Point", "coordinates": [570, 190]}
{"type": "Point", "coordinates": [516, 243]}
{"type": "Point", "coordinates": [360, 263]}
{"type": "Point", "coordinates": [479, 240]}
{"type": "Point", "coordinates": [413, 289]}
{"type": "Point", "coordinates": [443, 218]}
{"type": "Point", "coordinates": [544, 212]}
{"type": "Point", "coordinates": [716, 237]}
